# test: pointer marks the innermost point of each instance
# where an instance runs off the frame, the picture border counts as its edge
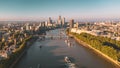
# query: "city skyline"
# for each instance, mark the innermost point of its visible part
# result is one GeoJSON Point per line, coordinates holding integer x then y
{"type": "Point", "coordinates": [43, 9]}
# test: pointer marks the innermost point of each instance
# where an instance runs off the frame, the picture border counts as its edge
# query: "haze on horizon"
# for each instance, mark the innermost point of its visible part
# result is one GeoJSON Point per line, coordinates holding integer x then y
{"type": "Point", "coordinates": [42, 9]}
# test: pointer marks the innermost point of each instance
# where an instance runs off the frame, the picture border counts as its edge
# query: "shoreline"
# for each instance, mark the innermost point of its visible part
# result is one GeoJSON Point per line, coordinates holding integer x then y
{"type": "Point", "coordinates": [22, 54]}
{"type": "Point", "coordinates": [99, 53]}
{"type": "Point", "coordinates": [17, 60]}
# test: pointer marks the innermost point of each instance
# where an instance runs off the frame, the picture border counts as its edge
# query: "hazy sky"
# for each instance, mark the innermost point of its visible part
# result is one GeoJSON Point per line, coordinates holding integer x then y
{"type": "Point", "coordinates": [41, 9]}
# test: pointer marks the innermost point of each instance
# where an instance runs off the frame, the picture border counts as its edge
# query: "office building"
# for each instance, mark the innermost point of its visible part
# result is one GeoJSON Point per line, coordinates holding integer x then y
{"type": "Point", "coordinates": [63, 21]}
{"type": "Point", "coordinates": [71, 23]}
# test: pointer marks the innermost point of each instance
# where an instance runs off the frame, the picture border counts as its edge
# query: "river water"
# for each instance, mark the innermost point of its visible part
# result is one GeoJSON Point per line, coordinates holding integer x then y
{"type": "Point", "coordinates": [53, 51]}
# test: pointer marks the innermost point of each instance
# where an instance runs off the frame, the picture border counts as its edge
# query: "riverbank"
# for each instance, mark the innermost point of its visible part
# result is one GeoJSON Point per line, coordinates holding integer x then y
{"type": "Point", "coordinates": [12, 66]}
{"type": "Point", "coordinates": [99, 53]}
{"type": "Point", "coordinates": [28, 45]}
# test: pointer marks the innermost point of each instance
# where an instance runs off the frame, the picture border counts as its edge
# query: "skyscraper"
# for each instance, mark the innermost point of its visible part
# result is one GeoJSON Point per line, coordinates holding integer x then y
{"type": "Point", "coordinates": [42, 24]}
{"type": "Point", "coordinates": [27, 26]}
{"type": "Point", "coordinates": [63, 21]}
{"type": "Point", "coordinates": [71, 23]}
{"type": "Point", "coordinates": [50, 20]}
{"type": "Point", "coordinates": [60, 21]}
{"type": "Point", "coordinates": [77, 25]}
{"type": "Point", "coordinates": [46, 23]}
{"type": "Point", "coordinates": [59, 18]}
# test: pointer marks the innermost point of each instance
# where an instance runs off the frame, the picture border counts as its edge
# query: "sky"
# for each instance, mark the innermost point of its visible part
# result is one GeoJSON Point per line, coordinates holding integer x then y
{"type": "Point", "coordinates": [42, 9]}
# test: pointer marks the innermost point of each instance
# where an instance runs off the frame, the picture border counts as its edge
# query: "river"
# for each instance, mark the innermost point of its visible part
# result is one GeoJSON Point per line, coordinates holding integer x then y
{"type": "Point", "coordinates": [53, 51]}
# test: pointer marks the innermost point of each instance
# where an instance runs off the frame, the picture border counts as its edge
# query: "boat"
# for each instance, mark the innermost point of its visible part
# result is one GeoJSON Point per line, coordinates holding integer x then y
{"type": "Point", "coordinates": [38, 66]}
{"type": "Point", "coordinates": [65, 41]}
{"type": "Point", "coordinates": [40, 46]}
{"type": "Point", "coordinates": [69, 44]}
{"type": "Point", "coordinates": [67, 60]}
{"type": "Point", "coordinates": [68, 63]}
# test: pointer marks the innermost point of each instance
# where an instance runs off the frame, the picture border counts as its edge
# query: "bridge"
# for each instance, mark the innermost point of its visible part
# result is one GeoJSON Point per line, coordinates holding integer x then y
{"type": "Point", "coordinates": [52, 37]}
